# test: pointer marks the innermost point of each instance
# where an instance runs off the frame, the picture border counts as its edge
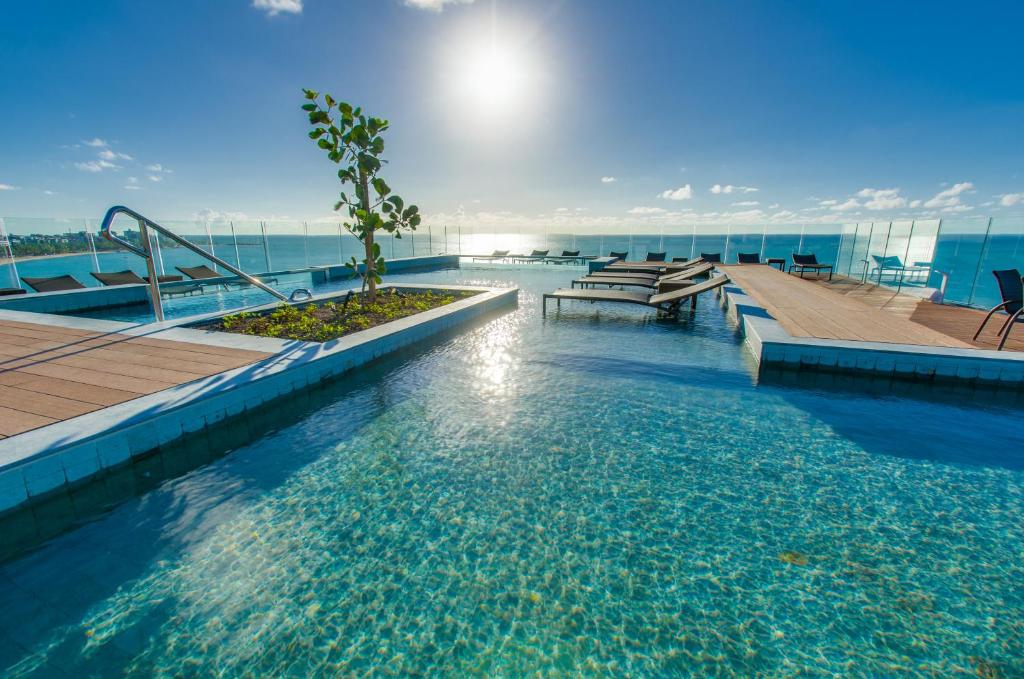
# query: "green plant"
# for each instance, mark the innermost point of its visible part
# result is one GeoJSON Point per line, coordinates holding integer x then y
{"type": "Point", "coordinates": [354, 140]}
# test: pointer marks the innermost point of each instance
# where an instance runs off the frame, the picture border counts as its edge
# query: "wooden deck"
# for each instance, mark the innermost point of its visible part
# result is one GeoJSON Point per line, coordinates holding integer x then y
{"type": "Point", "coordinates": [846, 309]}
{"type": "Point", "coordinates": [49, 374]}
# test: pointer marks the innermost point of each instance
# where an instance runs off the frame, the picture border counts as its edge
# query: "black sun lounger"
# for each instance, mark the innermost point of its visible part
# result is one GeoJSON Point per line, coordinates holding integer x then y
{"type": "Point", "coordinates": [498, 254]}
{"type": "Point", "coordinates": [809, 263]}
{"type": "Point", "coordinates": [129, 277]}
{"type": "Point", "coordinates": [665, 302]}
{"type": "Point", "coordinates": [53, 283]}
{"type": "Point", "coordinates": [662, 283]}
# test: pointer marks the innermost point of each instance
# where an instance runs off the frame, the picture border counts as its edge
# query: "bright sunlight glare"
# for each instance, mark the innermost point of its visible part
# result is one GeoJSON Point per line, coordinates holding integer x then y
{"type": "Point", "coordinates": [492, 79]}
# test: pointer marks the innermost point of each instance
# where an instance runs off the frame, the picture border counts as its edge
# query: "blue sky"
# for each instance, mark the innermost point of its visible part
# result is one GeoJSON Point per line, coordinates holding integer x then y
{"type": "Point", "coordinates": [520, 114]}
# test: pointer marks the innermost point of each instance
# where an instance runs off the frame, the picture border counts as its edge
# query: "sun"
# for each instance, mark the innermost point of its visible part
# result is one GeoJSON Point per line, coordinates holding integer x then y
{"type": "Point", "coordinates": [492, 78]}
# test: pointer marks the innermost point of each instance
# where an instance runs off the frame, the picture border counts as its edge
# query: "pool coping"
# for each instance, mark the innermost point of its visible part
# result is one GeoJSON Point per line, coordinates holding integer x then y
{"type": "Point", "coordinates": [40, 461]}
{"type": "Point", "coordinates": [772, 346]}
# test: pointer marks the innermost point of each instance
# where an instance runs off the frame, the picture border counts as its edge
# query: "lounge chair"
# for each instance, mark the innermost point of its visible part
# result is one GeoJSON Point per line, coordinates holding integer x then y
{"type": "Point", "coordinates": [535, 256]}
{"type": "Point", "coordinates": [5, 292]}
{"type": "Point", "coordinates": [665, 302]}
{"type": "Point", "coordinates": [53, 283]}
{"type": "Point", "coordinates": [570, 253]}
{"type": "Point", "coordinates": [651, 267]}
{"type": "Point", "coordinates": [1011, 289]}
{"type": "Point", "coordinates": [498, 254]}
{"type": "Point", "coordinates": [895, 266]}
{"type": "Point", "coordinates": [655, 257]}
{"type": "Point", "coordinates": [129, 277]}
{"type": "Point", "coordinates": [200, 272]}
{"type": "Point", "coordinates": [809, 263]}
{"type": "Point", "coordinates": [618, 255]}
{"type": "Point", "coordinates": [661, 283]}
{"type": "Point", "coordinates": [714, 257]}
{"type": "Point", "coordinates": [748, 258]}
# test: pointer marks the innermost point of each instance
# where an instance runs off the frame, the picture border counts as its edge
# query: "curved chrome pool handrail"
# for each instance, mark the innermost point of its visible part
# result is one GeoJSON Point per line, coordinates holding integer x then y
{"type": "Point", "coordinates": [145, 252]}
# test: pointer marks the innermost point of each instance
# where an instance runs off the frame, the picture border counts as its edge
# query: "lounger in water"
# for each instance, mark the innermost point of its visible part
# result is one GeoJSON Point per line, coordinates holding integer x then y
{"type": "Point", "coordinates": [662, 283]}
{"type": "Point", "coordinates": [129, 277]}
{"type": "Point", "coordinates": [665, 302]}
{"type": "Point", "coordinates": [53, 283]}
{"type": "Point", "coordinates": [199, 272]}
{"type": "Point", "coordinates": [498, 254]}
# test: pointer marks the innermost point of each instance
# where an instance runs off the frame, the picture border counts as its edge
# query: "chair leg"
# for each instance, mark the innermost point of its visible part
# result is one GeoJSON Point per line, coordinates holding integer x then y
{"type": "Point", "coordinates": [1013, 319]}
{"type": "Point", "coordinates": [987, 317]}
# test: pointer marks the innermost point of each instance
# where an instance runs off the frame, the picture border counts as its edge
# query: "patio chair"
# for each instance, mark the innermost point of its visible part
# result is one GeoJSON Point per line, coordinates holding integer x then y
{"type": "Point", "coordinates": [53, 283]}
{"type": "Point", "coordinates": [655, 256]}
{"type": "Point", "coordinates": [200, 272]}
{"type": "Point", "coordinates": [618, 255]}
{"type": "Point", "coordinates": [1011, 289]}
{"type": "Point", "coordinates": [5, 292]}
{"type": "Point", "coordinates": [667, 303]}
{"type": "Point", "coordinates": [714, 257]}
{"type": "Point", "coordinates": [662, 283]}
{"type": "Point", "coordinates": [809, 263]}
{"type": "Point", "coordinates": [748, 258]}
{"type": "Point", "coordinates": [570, 253]}
{"type": "Point", "coordinates": [895, 266]}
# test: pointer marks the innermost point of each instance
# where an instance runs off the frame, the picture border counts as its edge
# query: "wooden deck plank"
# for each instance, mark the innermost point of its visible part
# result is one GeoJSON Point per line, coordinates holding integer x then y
{"type": "Point", "coordinates": [51, 373]}
{"type": "Point", "coordinates": [809, 308]}
{"type": "Point", "coordinates": [15, 422]}
{"type": "Point", "coordinates": [57, 407]}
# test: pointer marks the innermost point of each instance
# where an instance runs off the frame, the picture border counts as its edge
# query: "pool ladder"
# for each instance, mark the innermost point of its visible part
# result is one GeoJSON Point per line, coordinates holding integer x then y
{"type": "Point", "coordinates": [146, 252]}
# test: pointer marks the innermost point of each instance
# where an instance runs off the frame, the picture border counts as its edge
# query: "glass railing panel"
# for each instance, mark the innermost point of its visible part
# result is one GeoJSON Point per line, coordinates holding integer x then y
{"type": "Point", "coordinates": [821, 240]}
{"type": "Point", "coordinates": [847, 247]}
{"type": "Point", "coordinates": [1004, 249]}
{"type": "Point", "coordinates": [710, 240]}
{"type": "Point", "coordinates": [325, 245]}
{"type": "Point", "coordinates": [781, 241]}
{"type": "Point", "coordinates": [887, 265]}
{"type": "Point", "coordinates": [744, 239]}
{"type": "Point", "coordinates": [958, 251]}
{"type": "Point", "coordinates": [919, 254]}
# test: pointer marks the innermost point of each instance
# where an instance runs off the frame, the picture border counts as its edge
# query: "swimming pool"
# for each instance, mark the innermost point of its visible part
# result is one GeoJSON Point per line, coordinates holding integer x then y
{"type": "Point", "coordinates": [597, 492]}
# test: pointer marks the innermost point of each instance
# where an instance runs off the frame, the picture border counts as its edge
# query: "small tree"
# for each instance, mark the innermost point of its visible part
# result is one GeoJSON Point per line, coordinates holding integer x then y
{"type": "Point", "coordinates": [354, 140]}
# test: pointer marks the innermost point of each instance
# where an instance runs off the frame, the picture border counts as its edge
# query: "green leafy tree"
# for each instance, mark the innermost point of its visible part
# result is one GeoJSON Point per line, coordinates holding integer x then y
{"type": "Point", "coordinates": [353, 140]}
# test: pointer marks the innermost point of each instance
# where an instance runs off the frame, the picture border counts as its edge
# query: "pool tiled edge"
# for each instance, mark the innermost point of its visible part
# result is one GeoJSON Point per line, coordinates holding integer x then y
{"type": "Point", "coordinates": [772, 346]}
{"type": "Point", "coordinates": [39, 462]}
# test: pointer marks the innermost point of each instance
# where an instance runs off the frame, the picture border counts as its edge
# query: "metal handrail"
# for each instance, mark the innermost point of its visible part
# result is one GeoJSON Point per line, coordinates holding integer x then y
{"type": "Point", "coordinates": [146, 252]}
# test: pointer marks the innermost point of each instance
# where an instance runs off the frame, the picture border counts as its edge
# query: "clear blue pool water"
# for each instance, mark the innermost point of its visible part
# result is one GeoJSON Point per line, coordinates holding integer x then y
{"type": "Point", "coordinates": [594, 493]}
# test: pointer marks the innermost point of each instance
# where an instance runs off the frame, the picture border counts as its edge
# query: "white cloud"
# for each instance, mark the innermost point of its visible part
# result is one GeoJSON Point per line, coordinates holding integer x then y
{"type": "Point", "coordinates": [682, 193]}
{"type": "Point", "coordinates": [773, 206]}
{"type": "Point", "coordinates": [851, 204]}
{"type": "Point", "coordinates": [133, 180]}
{"type": "Point", "coordinates": [916, 203]}
{"type": "Point", "coordinates": [729, 188]}
{"type": "Point", "coordinates": [107, 154]}
{"type": "Point", "coordinates": [132, 187]}
{"type": "Point", "coordinates": [95, 141]}
{"type": "Point", "coordinates": [957, 208]}
{"type": "Point", "coordinates": [1011, 199]}
{"type": "Point", "coordinates": [608, 180]}
{"type": "Point", "coordinates": [435, 5]}
{"type": "Point", "coordinates": [49, 192]}
{"type": "Point", "coordinates": [561, 209]}
{"type": "Point", "coordinates": [641, 210]}
{"type": "Point", "coordinates": [211, 215]}
{"type": "Point", "coordinates": [747, 203]}
{"type": "Point", "coordinates": [882, 199]}
{"type": "Point", "coordinates": [95, 166]}
{"type": "Point", "coordinates": [8, 187]}
{"type": "Point", "coordinates": [275, 7]}
{"type": "Point", "coordinates": [949, 197]}
{"type": "Point", "coordinates": [155, 178]}
{"type": "Point", "coordinates": [828, 203]}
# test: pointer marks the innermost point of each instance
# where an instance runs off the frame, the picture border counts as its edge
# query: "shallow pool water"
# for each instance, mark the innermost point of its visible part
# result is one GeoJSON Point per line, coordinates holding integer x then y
{"type": "Point", "coordinates": [598, 492]}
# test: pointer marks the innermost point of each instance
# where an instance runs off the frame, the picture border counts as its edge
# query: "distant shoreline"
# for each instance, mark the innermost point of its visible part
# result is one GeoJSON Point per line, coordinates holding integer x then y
{"type": "Point", "coordinates": [34, 258]}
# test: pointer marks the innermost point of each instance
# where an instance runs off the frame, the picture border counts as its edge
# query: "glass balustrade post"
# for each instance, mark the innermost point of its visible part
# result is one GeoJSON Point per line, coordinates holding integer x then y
{"type": "Point", "coordinates": [209, 239]}
{"type": "Point", "coordinates": [885, 249]}
{"type": "Point", "coordinates": [728, 235]}
{"type": "Point", "coordinates": [234, 242]}
{"type": "Point", "coordinates": [5, 243]}
{"type": "Point", "coordinates": [446, 239]}
{"type": "Point", "coordinates": [430, 241]}
{"type": "Point", "coordinates": [92, 246]}
{"type": "Point", "coordinates": [981, 260]}
{"type": "Point", "coordinates": [693, 242]}
{"type": "Point", "coordinates": [460, 240]}
{"type": "Point", "coordinates": [266, 245]}
{"type": "Point", "coordinates": [764, 239]}
{"type": "Point", "coordinates": [159, 253]}
{"type": "Point", "coordinates": [305, 241]}
{"type": "Point", "coordinates": [800, 246]}
{"type": "Point", "coordinates": [341, 239]}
